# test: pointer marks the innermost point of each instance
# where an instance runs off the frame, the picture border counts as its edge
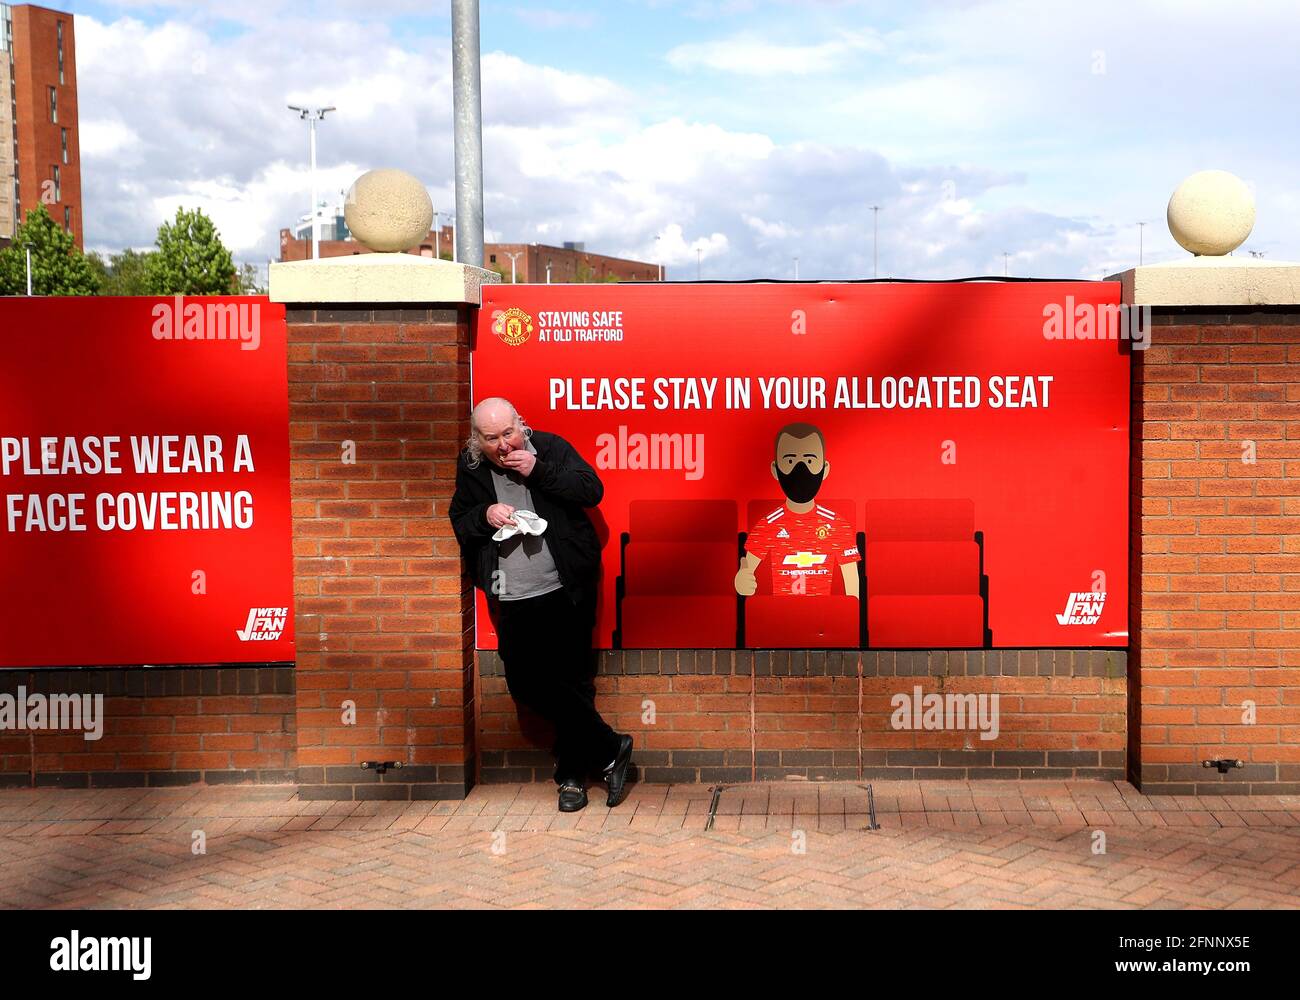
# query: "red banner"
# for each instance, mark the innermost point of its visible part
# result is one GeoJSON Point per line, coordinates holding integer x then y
{"type": "Point", "coordinates": [823, 465]}
{"type": "Point", "coordinates": [144, 482]}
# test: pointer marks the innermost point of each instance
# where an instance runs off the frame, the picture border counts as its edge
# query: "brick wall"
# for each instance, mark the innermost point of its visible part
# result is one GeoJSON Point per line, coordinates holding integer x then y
{"type": "Point", "coordinates": [382, 613]}
{"type": "Point", "coordinates": [161, 726]}
{"type": "Point", "coordinates": [1216, 552]}
{"type": "Point", "coordinates": [384, 620]}
{"type": "Point", "coordinates": [731, 716]}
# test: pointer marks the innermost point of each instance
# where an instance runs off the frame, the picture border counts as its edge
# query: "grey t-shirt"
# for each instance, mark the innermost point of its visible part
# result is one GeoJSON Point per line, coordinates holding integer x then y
{"type": "Point", "coordinates": [527, 569]}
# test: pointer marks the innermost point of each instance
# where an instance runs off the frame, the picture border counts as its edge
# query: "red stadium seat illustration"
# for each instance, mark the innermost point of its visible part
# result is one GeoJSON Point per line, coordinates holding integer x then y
{"type": "Point", "coordinates": [805, 621]}
{"type": "Point", "coordinates": [675, 586]}
{"type": "Point", "coordinates": [925, 581]}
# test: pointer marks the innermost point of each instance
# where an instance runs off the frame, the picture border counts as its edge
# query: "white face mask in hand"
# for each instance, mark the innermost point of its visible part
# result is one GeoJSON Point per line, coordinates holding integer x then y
{"type": "Point", "coordinates": [526, 523]}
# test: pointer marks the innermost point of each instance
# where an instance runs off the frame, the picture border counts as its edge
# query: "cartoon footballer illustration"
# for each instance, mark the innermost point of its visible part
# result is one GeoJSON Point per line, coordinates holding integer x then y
{"type": "Point", "coordinates": [802, 540]}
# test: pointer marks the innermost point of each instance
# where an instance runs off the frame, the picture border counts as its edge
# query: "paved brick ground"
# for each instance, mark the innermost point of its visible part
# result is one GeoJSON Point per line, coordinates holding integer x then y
{"type": "Point", "coordinates": [790, 844]}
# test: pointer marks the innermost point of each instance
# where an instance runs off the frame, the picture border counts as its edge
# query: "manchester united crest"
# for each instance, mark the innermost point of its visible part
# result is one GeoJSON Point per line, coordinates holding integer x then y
{"type": "Point", "coordinates": [513, 325]}
{"type": "Point", "coordinates": [823, 531]}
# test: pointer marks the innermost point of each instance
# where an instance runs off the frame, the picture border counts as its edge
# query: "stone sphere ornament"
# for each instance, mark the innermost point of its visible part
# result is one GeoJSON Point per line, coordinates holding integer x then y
{"type": "Point", "coordinates": [388, 210]}
{"type": "Point", "coordinates": [1211, 213]}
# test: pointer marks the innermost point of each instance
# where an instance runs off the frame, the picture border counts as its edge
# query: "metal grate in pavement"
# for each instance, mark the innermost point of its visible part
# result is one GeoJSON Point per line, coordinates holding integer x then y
{"type": "Point", "coordinates": [789, 799]}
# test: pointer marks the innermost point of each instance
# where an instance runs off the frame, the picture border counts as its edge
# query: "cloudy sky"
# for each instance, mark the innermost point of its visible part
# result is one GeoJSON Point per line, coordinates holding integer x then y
{"type": "Point", "coordinates": [755, 131]}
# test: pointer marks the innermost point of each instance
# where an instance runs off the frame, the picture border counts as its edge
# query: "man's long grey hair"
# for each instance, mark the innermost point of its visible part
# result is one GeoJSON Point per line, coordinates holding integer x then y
{"type": "Point", "coordinates": [474, 449]}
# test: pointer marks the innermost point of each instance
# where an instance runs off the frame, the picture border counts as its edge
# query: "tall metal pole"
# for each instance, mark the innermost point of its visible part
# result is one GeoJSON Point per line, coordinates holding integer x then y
{"type": "Point", "coordinates": [1005, 258]}
{"type": "Point", "coordinates": [875, 239]}
{"type": "Point", "coordinates": [315, 208]}
{"type": "Point", "coordinates": [699, 263]}
{"type": "Point", "coordinates": [468, 108]}
{"type": "Point", "coordinates": [311, 116]}
{"type": "Point", "coordinates": [29, 270]}
{"type": "Point", "coordinates": [1140, 226]}
{"type": "Point", "coordinates": [796, 269]}
{"type": "Point", "coordinates": [437, 234]}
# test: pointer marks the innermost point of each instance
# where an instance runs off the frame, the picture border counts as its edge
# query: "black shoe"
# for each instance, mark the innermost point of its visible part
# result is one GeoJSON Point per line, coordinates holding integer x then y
{"type": "Point", "coordinates": [572, 797]}
{"type": "Point", "coordinates": [616, 774]}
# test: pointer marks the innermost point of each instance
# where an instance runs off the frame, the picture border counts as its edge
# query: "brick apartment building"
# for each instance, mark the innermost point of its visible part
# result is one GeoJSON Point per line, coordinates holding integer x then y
{"type": "Point", "coordinates": [569, 263]}
{"type": "Point", "coordinates": [40, 159]}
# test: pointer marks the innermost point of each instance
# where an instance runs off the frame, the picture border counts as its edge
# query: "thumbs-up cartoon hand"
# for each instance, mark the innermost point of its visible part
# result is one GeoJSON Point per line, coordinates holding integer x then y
{"type": "Point", "coordinates": [746, 582]}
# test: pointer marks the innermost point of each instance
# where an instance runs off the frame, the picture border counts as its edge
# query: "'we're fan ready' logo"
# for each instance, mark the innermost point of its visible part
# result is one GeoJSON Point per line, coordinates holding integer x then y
{"type": "Point", "coordinates": [263, 625]}
{"type": "Point", "coordinates": [1082, 608]}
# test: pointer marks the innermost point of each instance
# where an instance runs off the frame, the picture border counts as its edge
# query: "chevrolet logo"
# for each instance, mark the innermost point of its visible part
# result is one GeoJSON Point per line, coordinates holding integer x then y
{"type": "Point", "coordinates": [804, 559]}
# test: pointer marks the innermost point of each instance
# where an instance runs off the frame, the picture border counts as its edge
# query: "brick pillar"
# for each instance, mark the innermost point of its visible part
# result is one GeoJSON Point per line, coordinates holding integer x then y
{"type": "Point", "coordinates": [379, 402]}
{"type": "Point", "coordinates": [1215, 588]}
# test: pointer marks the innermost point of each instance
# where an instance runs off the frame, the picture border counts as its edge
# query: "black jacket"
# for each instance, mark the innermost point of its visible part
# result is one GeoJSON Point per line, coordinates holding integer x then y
{"type": "Point", "coordinates": [561, 484]}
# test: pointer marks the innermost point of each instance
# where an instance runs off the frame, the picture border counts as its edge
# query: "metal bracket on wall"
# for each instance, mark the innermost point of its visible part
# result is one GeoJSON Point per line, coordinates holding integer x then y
{"type": "Point", "coordinates": [1224, 765]}
{"type": "Point", "coordinates": [381, 766]}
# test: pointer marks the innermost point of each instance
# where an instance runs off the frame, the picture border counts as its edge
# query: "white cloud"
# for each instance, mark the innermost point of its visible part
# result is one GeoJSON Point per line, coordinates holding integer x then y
{"type": "Point", "coordinates": [103, 138]}
{"type": "Point", "coordinates": [766, 230]}
{"type": "Point", "coordinates": [750, 55]}
{"type": "Point", "coordinates": [549, 18]}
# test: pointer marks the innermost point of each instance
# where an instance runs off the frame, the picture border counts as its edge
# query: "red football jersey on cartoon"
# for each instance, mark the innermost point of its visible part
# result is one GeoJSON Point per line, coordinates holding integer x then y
{"type": "Point", "coordinates": [803, 547]}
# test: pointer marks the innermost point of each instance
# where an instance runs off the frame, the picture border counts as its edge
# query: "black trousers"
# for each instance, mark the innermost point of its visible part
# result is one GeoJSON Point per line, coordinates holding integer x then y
{"type": "Point", "coordinates": [545, 644]}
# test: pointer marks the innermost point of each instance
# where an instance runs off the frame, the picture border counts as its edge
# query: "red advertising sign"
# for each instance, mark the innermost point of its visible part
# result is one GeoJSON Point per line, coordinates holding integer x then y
{"type": "Point", "coordinates": [144, 482]}
{"type": "Point", "coordinates": [836, 465]}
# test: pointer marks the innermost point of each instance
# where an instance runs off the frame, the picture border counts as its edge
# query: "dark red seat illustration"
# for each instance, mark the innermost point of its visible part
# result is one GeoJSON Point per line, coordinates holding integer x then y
{"type": "Point", "coordinates": [676, 569]}
{"type": "Point", "coordinates": [925, 581]}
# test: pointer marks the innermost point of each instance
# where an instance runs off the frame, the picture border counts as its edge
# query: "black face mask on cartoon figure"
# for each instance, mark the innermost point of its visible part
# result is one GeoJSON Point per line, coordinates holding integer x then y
{"type": "Point", "coordinates": [800, 484]}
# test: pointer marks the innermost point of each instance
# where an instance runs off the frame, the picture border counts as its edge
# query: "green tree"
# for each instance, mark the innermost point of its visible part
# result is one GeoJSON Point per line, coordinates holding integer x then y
{"type": "Point", "coordinates": [123, 273]}
{"type": "Point", "coordinates": [191, 259]}
{"type": "Point", "coordinates": [58, 267]}
{"type": "Point", "coordinates": [98, 267]}
{"type": "Point", "coordinates": [247, 281]}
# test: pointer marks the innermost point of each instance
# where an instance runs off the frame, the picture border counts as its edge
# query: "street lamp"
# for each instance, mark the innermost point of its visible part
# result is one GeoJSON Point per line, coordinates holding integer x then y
{"type": "Point", "coordinates": [796, 269]}
{"type": "Point", "coordinates": [875, 233]}
{"type": "Point", "coordinates": [28, 248]}
{"type": "Point", "coordinates": [548, 272]}
{"type": "Point", "coordinates": [1141, 225]}
{"type": "Point", "coordinates": [659, 258]}
{"type": "Point", "coordinates": [1005, 258]}
{"type": "Point", "coordinates": [311, 116]}
{"type": "Point", "coordinates": [699, 262]}
{"type": "Point", "coordinates": [513, 257]}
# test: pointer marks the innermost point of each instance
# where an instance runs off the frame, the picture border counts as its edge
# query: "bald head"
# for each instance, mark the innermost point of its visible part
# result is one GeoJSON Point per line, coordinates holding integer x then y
{"type": "Point", "coordinates": [496, 425]}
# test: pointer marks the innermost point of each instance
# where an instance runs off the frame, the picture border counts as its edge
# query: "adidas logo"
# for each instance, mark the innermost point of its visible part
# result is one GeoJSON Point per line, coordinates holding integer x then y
{"type": "Point", "coordinates": [783, 534]}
